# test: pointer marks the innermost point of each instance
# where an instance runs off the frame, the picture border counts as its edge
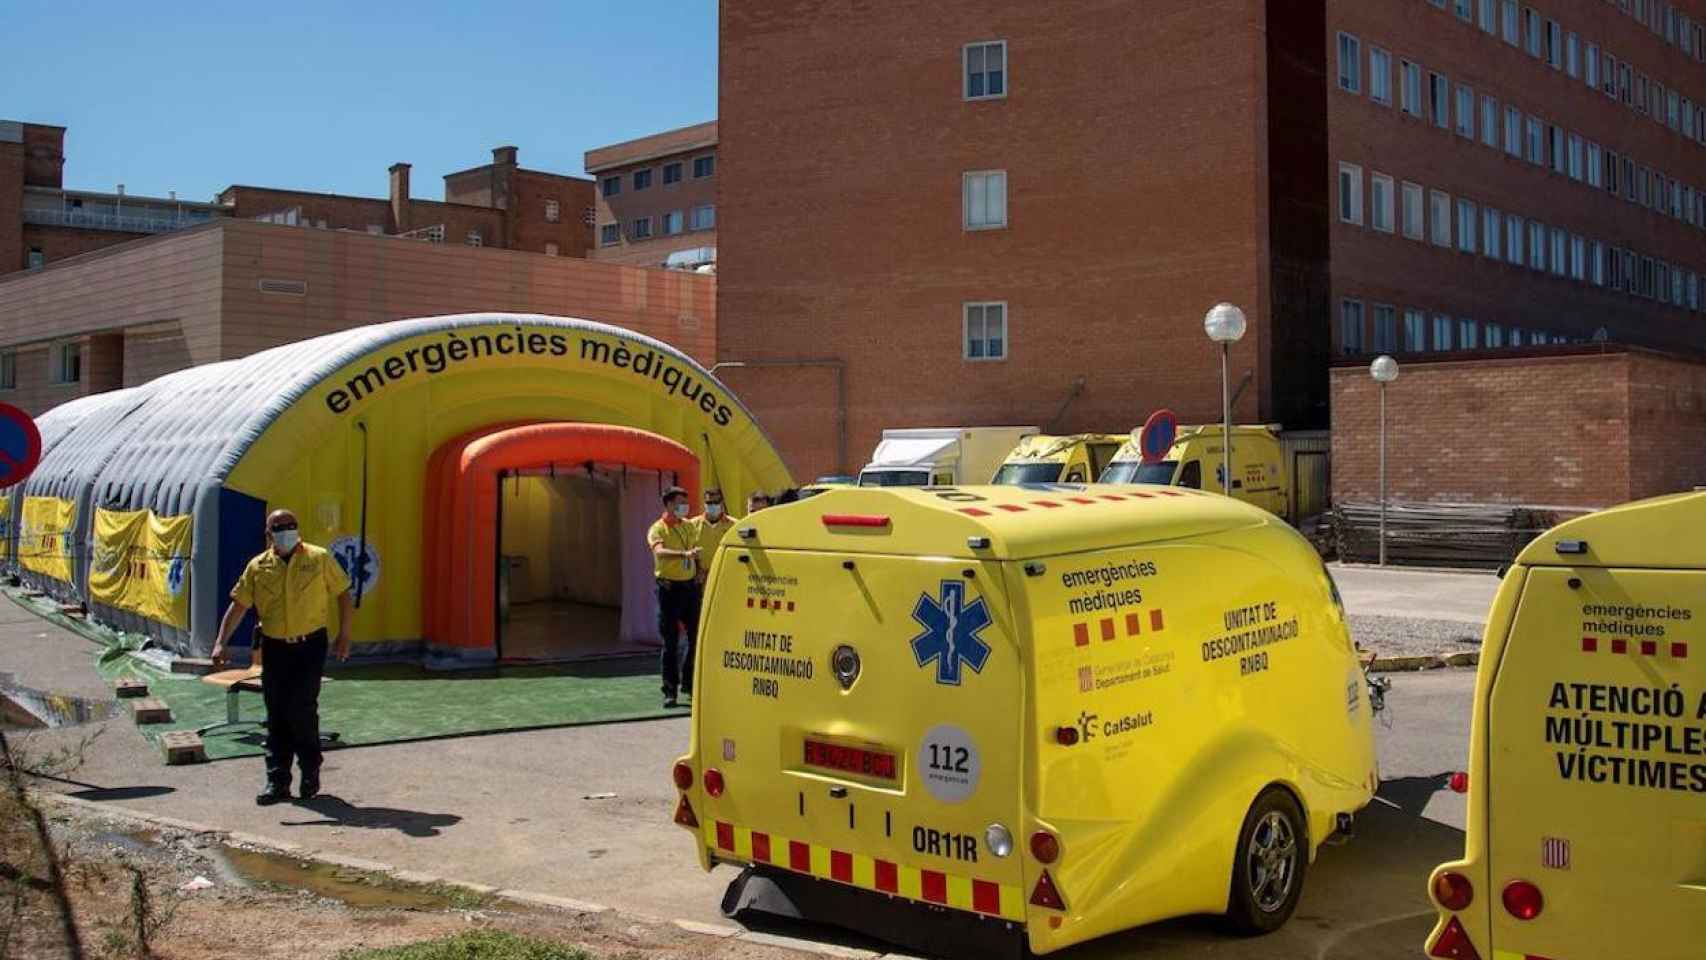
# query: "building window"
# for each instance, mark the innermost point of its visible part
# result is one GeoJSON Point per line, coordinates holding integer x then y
{"type": "Point", "coordinates": [1608, 74]}
{"type": "Point", "coordinates": [1492, 233]}
{"type": "Point", "coordinates": [1578, 258]}
{"type": "Point", "coordinates": [550, 249]}
{"type": "Point", "coordinates": [986, 70]}
{"type": "Point", "coordinates": [671, 173]}
{"type": "Point", "coordinates": [1440, 213]}
{"type": "Point", "coordinates": [1555, 135]}
{"type": "Point", "coordinates": [1468, 218]}
{"type": "Point", "coordinates": [611, 186]}
{"type": "Point", "coordinates": [610, 234]}
{"type": "Point", "coordinates": [1465, 10]}
{"type": "Point", "coordinates": [1490, 121]}
{"type": "Point", "coordinates": [1537, 246]}
{"type": "Point", "coordinates": [1413, 211]}
{"type": "Point", "coordinates": [1533, 32]}
{"type": "Point", "coordinates": [1350, 194]}
{"type": "Point", "coordinates": [553, 211]}
{"type": "Point", "coordinates": [1350, 327]}
{"type": "Point", "coordinates": [1596, 263]}
{"type": "Point", "coordinates": [1595, 170]}
{"type": "Point", "coordinates": [1465, 111]}
{"type": "Point", "coordinates": [9, 370]}
{"type": "Point", "coordinates": [1573, 56]}
{"type": "Point", "coordinates": [1379, 76]}
{"type": "Point", "coordinates": [1442, 332]}
{"type": "Point", "coordinates": [641, 228]}
{"type": "Point", "coordinates": [1554, 45]}
{"type": "Point", "coordinates": [1410, 88]}
{"type": "Point", "coordinates": [1613, 169]}
{"type": "Point", "coordinates": [642, 179]}
{"type": "Point", "coordinates": [37, 259]}
{"type": "Point", "coordinates": [984, 199]}
{"type": "Point", "coordinates": [1494, 335]}
{"type": "Point", "coordinates": [672, 222]}
{"type": "Point", "coordinates": [1468, 334]}
{"type": "Point", "coordinates": [1513, 132]}
{"type": "Point", "coordinates": [1688, 118]}
{"type": "Point", "coordinates": [1489, 16]}
{"type": "Point", "coordinates": [1509, 22]}
{"type": "Point", "coordinates": [1590, 73]}
{"type": "Point", "coordinates": [1385, 329]}
{"type": "Point", "coordinates": [473, 239]}
{"type": "Point", "coordinates": [704, 166]}
{"type": "Point", "coordinates": [1381, 202]}
{"type": "Point", "coordinates": [986, 331]}
{"type": "Point", "coordinates": [1415, 331]}
{"type": "Point", "coordinates": [703, 217]}
{"type": "Point", "coordinates": [1536, 142]}
{"type": "Point", "coordinates": [67, 360]}
{"type": "Point", "coordinates": [1515, 231]}
{"type": "Point", "coordinates": [1440, 100]}
{"type": "Point", "coordinates": [1350, 63]}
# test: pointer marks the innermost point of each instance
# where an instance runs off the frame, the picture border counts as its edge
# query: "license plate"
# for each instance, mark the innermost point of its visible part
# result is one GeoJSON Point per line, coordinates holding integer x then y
{"type": "Point", "coordinates": [860, 761]}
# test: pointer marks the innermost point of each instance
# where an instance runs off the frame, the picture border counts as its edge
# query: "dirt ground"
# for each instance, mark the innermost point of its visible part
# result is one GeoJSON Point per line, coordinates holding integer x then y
{"type": "Point", "coordinates": [199, 905]}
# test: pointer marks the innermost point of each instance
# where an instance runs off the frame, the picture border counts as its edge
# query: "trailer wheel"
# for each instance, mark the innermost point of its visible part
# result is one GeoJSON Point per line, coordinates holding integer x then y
{"type": "Point", "coordinates": [1268, 869]}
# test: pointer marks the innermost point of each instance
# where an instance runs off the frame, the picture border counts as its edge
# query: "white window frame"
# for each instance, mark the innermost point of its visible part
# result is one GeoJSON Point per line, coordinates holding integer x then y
{"type": "Point", "coordinates": [1350, 63]}
{"type": "Point", "coordinates": [702, 217]}
{"type": "Point", "coordinates": [610, 186]}
{"type": "Point", "coordinates": [968, 217]}
{"type": "Point", "coordinates": [1439, 216]}
{"type": "Point", "coordinates": [1414, 202]}
{"type": "Point", "coordinates": [1440, 99]}
{"type": "Point", "coordinates": [1595, 165]}
{"type": "Point", "coordinates": [1576, 149]}
{"type": "Point", "coordinates": [1488, 17]}
{"type": "Point", "coordinates": [1516, 235]}
{"type": "Point", "coordinates": [1382, 203]}
{"type": "Point", "coordinates": [1465, 118]}
{"type": "Point", "coordinates": [965, 70]}
{"type": "Point", "coordinates": [1590, 66]}
{"type": "Point", "coordinates": [1441, 333]}
{"type": "Point", "coordinates": [634, 229]}
{"type": "Point", "coordinates": [1510, 22]}
{"type": "Point", "coordinates": [553, 211]}
{"type": "Point", "coordinates": [604, 234]}
{"type": "Point", "coordinates": [1379, 76]}
{"type": "Point", "coordinates": [1573, 55]}
{"type": "Point", "coordinates": [1410, 88]}
{"type": "Point", "coordinates": [1350, 206]}
{"type": "Point", "coordinates": [965, 331]}
{"type": "Point", "coordinates": [1492, 233]}
{"type": "Point", "coordinates": [62, 356]}
{"type": "Point", "coordinates": [1513, 132]}
{"type": "Point", "coordinates": [1468, 222]}
{"type": "Point", "coordinates": [674, 222]}
{"type": "Point", "coordinates": [1384, 324]}
{"type": "Point", "coordinates": [1357, 344]}
{"type": "Point", "coordinates": [1468, 334]}
{"type": "Point", "coordinates": [1490, 120]}
{"type": "Point", "coordinates": [1415, 330]}
{"type": "Point", "coordinates": [1537, 246]}
{"type": "Point", "coordinates": [1535, 128]}
{"type": "Point", "coordinates": [712, 159]}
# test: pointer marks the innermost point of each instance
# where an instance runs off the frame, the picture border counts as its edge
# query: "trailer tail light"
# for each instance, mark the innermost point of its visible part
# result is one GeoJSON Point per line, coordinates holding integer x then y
{"type": "Point", "coordinates": [1453, 891]}
{"type": "Point", "coordinates": [1453, 943]}
{"type": "Point", "coordinates": [1045, 895]}
{"type": "Point", "coordinates": [1045, 846]}
{"type": "Point", "coordinates": [1066, 735]}
{"type": "Point", "coordinates": [683, 775]}
{"type": "Point", "coordinates": [714, 783]}
{"type": "Point", "coordinates": [855, 520]}
{"type": "Point", "coordinates": [684, 814]}
{"type": "Point", "coordinates": [1523, 900]}
{"type": "Point", "coordinates": [1459, 782]}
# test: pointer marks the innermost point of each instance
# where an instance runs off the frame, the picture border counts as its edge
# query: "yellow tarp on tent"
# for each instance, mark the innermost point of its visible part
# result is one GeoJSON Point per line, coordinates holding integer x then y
{"type": "Point", "coordinates": [44, 536]}
{"type": "Point", "coordinates": [140, 563]}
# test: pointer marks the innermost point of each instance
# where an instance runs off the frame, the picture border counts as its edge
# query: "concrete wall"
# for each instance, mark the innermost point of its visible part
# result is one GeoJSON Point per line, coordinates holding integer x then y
{"type": "Point", "coordinates": [1563, 427]}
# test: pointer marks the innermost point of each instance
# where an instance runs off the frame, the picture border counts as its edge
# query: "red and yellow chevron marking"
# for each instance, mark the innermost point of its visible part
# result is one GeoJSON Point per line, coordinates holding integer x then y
{"type": "Point", "coordinates": [867, 873]}
{"type": "Point", "coordinates": [1513, 955]}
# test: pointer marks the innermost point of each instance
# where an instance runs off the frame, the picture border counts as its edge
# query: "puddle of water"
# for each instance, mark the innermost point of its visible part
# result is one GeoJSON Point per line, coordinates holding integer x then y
{"type": "Point", "coordinates": [354, 889]}
{"type": "Point", "coordinates": [26, 708]}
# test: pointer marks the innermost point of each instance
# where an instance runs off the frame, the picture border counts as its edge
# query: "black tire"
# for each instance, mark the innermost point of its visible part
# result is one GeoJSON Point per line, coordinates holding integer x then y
{"type": "Point", "coordinates": [1269, 866]}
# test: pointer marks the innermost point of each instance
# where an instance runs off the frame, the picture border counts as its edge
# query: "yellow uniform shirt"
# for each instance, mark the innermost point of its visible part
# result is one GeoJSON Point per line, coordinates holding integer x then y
{"type": "Point", "coordinates": [678, 536]}
{"type": "Point", "coordinates": [295, 598]}
{"type": "Point", "coordinates": [710, 534]}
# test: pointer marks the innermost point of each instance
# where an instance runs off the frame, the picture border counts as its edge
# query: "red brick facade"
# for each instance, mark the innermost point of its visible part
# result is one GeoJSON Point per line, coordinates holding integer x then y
{"type": "Point", "coordinates": [1570, 426]}
{"type": "Point", "coordinates": [678, 204]}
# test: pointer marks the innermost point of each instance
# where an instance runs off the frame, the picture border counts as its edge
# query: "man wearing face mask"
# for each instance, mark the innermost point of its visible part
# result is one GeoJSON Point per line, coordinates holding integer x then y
{"type": "Point", "coordinates": [710, 527]}
{"type": "Point", "coordinates": [291, 586]}
{"type": "Point", "coordinates": [674, 541]}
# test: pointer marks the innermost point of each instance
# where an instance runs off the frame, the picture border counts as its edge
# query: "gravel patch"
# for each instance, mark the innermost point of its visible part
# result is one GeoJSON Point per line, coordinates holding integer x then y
{"type": "Point", "coordinates": [1413, 636]}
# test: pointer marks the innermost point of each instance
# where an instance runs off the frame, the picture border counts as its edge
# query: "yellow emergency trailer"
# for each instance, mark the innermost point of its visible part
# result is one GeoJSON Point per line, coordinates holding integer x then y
{"type": "Point", "coordinates": [1001, 716]}
{"type": "Point", "coordinates": [1196, 460]}
{"type": "Point", "coordinates": [1080, 458]}
{"type": "Point", "coordinates": [1587, 758]}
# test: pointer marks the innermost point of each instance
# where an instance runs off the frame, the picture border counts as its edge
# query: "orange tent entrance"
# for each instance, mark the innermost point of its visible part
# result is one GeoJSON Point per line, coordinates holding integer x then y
{"type": "Point", "coordinates": [462, 520]}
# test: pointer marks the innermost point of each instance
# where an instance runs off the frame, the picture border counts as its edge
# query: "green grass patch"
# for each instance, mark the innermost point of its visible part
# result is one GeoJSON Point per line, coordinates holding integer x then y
{"type": "Point", "coordinates": [474, 945]}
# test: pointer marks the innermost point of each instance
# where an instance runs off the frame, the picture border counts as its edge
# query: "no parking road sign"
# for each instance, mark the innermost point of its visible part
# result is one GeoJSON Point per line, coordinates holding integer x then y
{"type": "Point", "coordinates": [20, 445]}
{"type": "Point", "coordinates": [1157, 435]}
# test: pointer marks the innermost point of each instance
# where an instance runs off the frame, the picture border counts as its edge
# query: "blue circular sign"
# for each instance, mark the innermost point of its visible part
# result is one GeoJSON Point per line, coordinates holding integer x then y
{"type": "Point", "coordinates": [20, 445]}
{"type": "Point", "coordinates": [1159, 432]}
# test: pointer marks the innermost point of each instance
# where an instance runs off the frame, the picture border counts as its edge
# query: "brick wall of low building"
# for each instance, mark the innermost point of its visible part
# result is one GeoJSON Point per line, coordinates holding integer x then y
{"type": "Point", "coordinates": [1566, 427]}
{"type": "Point", "coordinates": [60, 243]}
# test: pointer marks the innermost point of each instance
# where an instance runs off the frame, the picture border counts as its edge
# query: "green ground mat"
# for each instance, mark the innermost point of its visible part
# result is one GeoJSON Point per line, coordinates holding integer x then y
{"type": "Point", "coordinates": [387, 703]}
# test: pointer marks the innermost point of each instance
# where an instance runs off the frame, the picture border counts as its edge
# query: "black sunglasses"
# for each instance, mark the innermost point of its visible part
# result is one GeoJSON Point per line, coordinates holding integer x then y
{"type": "Point", "coordinates": [277, 527]}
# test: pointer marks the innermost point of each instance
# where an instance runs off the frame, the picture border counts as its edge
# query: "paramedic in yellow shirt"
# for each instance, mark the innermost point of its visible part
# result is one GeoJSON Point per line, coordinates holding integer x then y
{"type": "Point", "coordinates": [291, 586]}
{"type": "Point", "coordinates": [674, 541]}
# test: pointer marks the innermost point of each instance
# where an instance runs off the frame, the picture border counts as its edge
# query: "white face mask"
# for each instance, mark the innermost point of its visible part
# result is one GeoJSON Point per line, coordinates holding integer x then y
{"type": "Point", "coordinates": [680, 509]}
{"type": "Point", "coordinates": [286, 540]}
{"type": "Point", "coordinates": [713, 510]}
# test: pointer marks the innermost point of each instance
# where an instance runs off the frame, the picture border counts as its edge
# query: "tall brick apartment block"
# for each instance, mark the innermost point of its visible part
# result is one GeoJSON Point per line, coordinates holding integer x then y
{"type": "Point", "coordinates": [987, 213]}
{"type": "Point", "coordinates": [657, 198]}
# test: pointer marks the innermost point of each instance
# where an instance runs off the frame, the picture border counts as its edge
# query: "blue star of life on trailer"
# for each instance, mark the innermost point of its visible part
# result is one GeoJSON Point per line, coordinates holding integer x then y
{"type": "Point", "coordinates": [950, 636]}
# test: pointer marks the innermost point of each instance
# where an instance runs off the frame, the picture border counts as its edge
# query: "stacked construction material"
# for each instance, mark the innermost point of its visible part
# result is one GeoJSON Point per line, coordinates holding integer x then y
{"type": "Point", "coordinates": [1441, 534]}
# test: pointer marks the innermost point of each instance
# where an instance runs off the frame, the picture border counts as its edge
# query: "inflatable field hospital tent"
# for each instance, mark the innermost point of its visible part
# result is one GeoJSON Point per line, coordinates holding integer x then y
{"type": "Point", "coordinates": [485, 479]}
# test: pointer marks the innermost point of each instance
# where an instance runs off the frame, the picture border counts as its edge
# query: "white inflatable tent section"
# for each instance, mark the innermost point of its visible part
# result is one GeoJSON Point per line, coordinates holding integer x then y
{"type": "Point", "coordinates": [169, 444]}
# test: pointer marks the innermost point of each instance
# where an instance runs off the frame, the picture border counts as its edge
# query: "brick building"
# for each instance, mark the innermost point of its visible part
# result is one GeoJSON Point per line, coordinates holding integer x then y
{"type": "Point", "coordinates": [124, 315]}
{"type": "Point", "coordinates": [499, 204]}
{"type": "Point", "coordinates": [41, 221]}
{"type": "Point", "coordinates": [1577, 425]}
{"type": "Point", "coordinates": [1019, 213]}
{"type": "Point", "coordinates": [657, 198]}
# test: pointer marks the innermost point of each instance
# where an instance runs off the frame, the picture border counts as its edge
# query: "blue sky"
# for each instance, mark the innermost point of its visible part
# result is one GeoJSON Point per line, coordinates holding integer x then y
{"type": "Point", "coordinates": [315, 95]}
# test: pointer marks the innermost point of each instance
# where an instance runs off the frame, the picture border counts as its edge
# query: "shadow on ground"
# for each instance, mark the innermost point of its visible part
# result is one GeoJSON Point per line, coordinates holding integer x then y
{"type": "Point", "coordinates": [336, 812]}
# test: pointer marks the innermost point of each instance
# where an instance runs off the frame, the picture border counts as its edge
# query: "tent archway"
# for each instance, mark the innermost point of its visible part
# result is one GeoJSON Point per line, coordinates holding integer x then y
{"type": "Point", "coordinates": [462, 515]}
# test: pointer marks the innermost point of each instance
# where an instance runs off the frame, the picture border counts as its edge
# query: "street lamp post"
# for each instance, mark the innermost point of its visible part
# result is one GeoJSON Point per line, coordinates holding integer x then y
{"type": "Point", "coordinates": [1384, 370]}
{"type": "Point", "coordinates": [1225, 325]}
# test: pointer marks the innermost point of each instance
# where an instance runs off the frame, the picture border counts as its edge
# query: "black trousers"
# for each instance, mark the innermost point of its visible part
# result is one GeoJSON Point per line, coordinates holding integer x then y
{"type": "Point", "coordinates": [678, 607]}
{"type": "Point", "coordinates": [290, 684]}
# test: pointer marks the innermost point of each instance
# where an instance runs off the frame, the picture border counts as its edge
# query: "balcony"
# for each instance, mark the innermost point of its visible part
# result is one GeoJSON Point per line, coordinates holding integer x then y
{"type": "Point", "coordinates": [139, 221]}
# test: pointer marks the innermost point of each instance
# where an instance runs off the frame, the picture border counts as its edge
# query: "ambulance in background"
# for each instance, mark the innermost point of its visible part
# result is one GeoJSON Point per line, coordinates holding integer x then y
{"type": "Point", "coordinates": [1080, 458]}
{"type": "Point", "coordinates": [1587, 752]}
{"type": "Point", "coordinates": [1259, 474]}
{"type": "Point", "coordinates": [940, 456]}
